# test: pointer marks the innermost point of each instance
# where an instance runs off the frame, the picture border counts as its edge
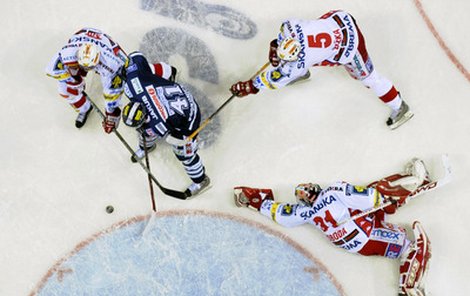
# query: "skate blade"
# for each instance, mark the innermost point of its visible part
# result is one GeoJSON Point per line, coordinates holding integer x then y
{"type": "Point", "coordinates": [200, 192]}
{"type": "Point", "coordinates": [400, 122]}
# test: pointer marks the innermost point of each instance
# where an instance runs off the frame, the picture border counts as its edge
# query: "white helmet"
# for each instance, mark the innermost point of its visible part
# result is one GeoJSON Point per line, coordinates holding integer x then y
{"type": "Point", "coordinates": [307, 193]}
{"type": "Point", "coordinates": [289, 49]}
{"type": "Point", "coordinates": [88, 56]}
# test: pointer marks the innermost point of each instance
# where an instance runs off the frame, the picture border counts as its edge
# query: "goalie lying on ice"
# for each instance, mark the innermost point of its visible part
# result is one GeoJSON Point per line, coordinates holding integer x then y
{"type": "Point", "coordinates": [331, 209]}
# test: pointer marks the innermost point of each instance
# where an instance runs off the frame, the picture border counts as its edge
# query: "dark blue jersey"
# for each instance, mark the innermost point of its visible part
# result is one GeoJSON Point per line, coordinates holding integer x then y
{"type": "Point", "coordinates": [171, 108]}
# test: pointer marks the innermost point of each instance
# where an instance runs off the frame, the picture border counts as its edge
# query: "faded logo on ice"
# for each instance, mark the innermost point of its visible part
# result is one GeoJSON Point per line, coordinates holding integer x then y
{"type": "Point", "coordinates": [161, 43]}
{"type": "Point", "coordinates": [218, 18]}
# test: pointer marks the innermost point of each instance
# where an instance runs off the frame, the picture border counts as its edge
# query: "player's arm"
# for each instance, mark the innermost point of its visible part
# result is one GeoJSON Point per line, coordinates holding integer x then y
{"type": "Point", "coordinates": [285, 214]}
{"type": "Point", "coordinates": [113, 87]}
{"type": "Point", "coordinates": [396, 189]}
{"type": "Point", "coordinates": [376, 194]}
{"type": "Point", "coordinates": [359, 197]}
{"type": "Point", "coordinates": [272, 78]}
{"type": "Point", "coordinates": [71, 77]}
{"type": "Point", "coordinates": [68, 73]}
{"type": "Point", "coordinates": [262, 200]}
{"type": "Point", "coordinates": [164, 70]}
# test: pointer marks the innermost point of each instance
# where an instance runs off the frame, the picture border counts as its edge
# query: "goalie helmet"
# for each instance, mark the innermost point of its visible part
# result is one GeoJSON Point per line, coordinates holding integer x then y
{"type": "Point", "coordinates": [88, 56]}
{"type": "Point", "coordinates": [289, 49]}
{"type": "Point", "coordinates": [134, 114]}
{"type": "Point", "coordinates": [307, 193]}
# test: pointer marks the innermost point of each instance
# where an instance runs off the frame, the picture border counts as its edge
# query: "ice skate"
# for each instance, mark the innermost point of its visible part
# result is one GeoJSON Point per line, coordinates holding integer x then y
{"type": "Point", "coordinates": [400, 116]}
{"type": "Point", "coordinates": [82, 117]}
{"type": "Point", "coordinates": [198, 188]}
{"type": "Point", "coordinates": [414, 264]}
{"type": "Point", "coordinates": [140, 153]}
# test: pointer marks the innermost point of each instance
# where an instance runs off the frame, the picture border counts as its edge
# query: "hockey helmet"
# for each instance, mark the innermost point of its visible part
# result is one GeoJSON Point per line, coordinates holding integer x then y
{"type": "Point", "coordinates": [289, 49]}
{"type": "Point", "coordinates": [134, 114]}
{"type": "Point", "coordinates": [88, 56]}
{"type": "Point", "coordinates": [307, 193]}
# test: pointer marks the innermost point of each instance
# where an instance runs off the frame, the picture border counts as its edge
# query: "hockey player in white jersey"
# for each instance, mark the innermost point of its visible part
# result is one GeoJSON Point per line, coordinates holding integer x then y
{"type": "Point", "coordinates": [90, 50]}
{"type": "Point", "coordinates": [331, 209]}
{"type": "Point", "coordinates": [332, 40]}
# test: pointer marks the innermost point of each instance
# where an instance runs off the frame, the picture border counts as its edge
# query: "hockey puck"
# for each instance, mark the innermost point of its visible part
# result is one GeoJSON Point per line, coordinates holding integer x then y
{"type": "Point", "coordinates": [109, 209]}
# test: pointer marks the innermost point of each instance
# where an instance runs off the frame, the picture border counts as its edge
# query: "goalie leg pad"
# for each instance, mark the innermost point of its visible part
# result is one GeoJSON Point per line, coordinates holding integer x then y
{"type": "Point", "coordinates": [414, 264]}
{"type": "Point", "coordinates": [251, 197]}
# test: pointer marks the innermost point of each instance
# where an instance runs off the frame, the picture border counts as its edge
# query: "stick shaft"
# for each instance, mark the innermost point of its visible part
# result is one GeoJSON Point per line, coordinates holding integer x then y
{"type": "Point", "coordinates": [167, 191]}
{"type": "Point", "coordinates": [418, 191]}
{"type": "Point", "coordinates": [206, 122]}
{"type": "Point", "coordinates": [147, 162]}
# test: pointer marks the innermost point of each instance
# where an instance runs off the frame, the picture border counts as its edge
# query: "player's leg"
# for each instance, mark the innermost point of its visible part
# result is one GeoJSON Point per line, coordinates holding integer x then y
{"type": "Point", "coordinates": [362, 69]}
{"type": "Point", "coordinates": [150, 144]}
{"type": "Point", "coordinates": [387, 240]}
{"type": "Point", "coordinates": [193, 166]}
{"type": "Point", "coordinates": [74, 95]}
{"type": "Point", "coordinates": [415, 263]}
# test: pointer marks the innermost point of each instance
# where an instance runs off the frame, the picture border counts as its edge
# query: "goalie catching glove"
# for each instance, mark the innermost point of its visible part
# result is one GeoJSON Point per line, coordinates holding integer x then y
{"type": "Point", "coordinates": [397, 188]}
{"type": "Point", "coordinates": [251, 197]}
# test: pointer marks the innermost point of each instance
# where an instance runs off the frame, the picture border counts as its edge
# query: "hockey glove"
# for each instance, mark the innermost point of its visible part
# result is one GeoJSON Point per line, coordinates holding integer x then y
{"type": "Point", "coordinates": [111, 121]}
{"type": "Point", "coordinates": [273, 58]}
{"type": "Point", "coordinates": [243, 88]}
{"type": "Point", "coordinates": [251, 197]}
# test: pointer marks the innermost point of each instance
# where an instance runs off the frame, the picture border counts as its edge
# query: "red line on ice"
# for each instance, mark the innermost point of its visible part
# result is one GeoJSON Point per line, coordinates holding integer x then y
{"type": "Point", "coordinates": [57, 266]}
{"type": "Point", "coordinates": [441, 42]}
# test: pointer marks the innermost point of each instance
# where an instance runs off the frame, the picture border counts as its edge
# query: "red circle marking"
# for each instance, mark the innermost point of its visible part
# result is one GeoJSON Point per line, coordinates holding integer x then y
{"type": "Point", "coordinates": [56, 268]}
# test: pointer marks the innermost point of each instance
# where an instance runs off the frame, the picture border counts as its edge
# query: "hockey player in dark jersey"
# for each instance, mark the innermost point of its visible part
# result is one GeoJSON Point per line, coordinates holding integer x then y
{"type": "Point", "coordinates": [161, 108]}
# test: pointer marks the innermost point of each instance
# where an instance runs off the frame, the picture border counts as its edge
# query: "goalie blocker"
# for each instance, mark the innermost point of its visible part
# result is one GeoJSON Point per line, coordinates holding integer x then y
{"type": "Point", "coordinates": [367, 235]}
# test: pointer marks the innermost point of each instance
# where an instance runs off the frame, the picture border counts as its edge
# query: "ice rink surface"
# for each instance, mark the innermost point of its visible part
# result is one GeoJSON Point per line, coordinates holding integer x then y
{"type": "Point", "coordinates": [55, 180]}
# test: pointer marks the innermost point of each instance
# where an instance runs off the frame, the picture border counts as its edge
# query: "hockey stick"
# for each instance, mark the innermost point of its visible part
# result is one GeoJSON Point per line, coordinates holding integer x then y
{"type": "Point", "coordinates": [147, 162]}
{"type": "Point", "coordinates": [167, 191]}
{"type": "Point", "coordinates": [154, 207]}
{"type": "Point", "coordinates": [206, 122]}
{"type": "Point", "coordinates": [418, 191]}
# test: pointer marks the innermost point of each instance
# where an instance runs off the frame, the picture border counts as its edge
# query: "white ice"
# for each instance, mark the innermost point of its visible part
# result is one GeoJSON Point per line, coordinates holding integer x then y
{"type": "Point", "coordinates": [55, 180]}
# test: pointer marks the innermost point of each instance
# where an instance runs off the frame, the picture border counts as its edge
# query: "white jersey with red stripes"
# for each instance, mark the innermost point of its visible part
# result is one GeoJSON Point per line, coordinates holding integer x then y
{"type": "Point", "coordinates": [331, 39]}
{"type": "Point", "coordinates": [335, 204]}
{"type": "Point", "coordinates": [112, 61]}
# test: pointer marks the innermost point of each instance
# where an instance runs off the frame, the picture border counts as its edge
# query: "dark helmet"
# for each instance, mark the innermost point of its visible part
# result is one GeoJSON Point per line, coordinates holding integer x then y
{"type": "Point", "coordinates": [134, 114]}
